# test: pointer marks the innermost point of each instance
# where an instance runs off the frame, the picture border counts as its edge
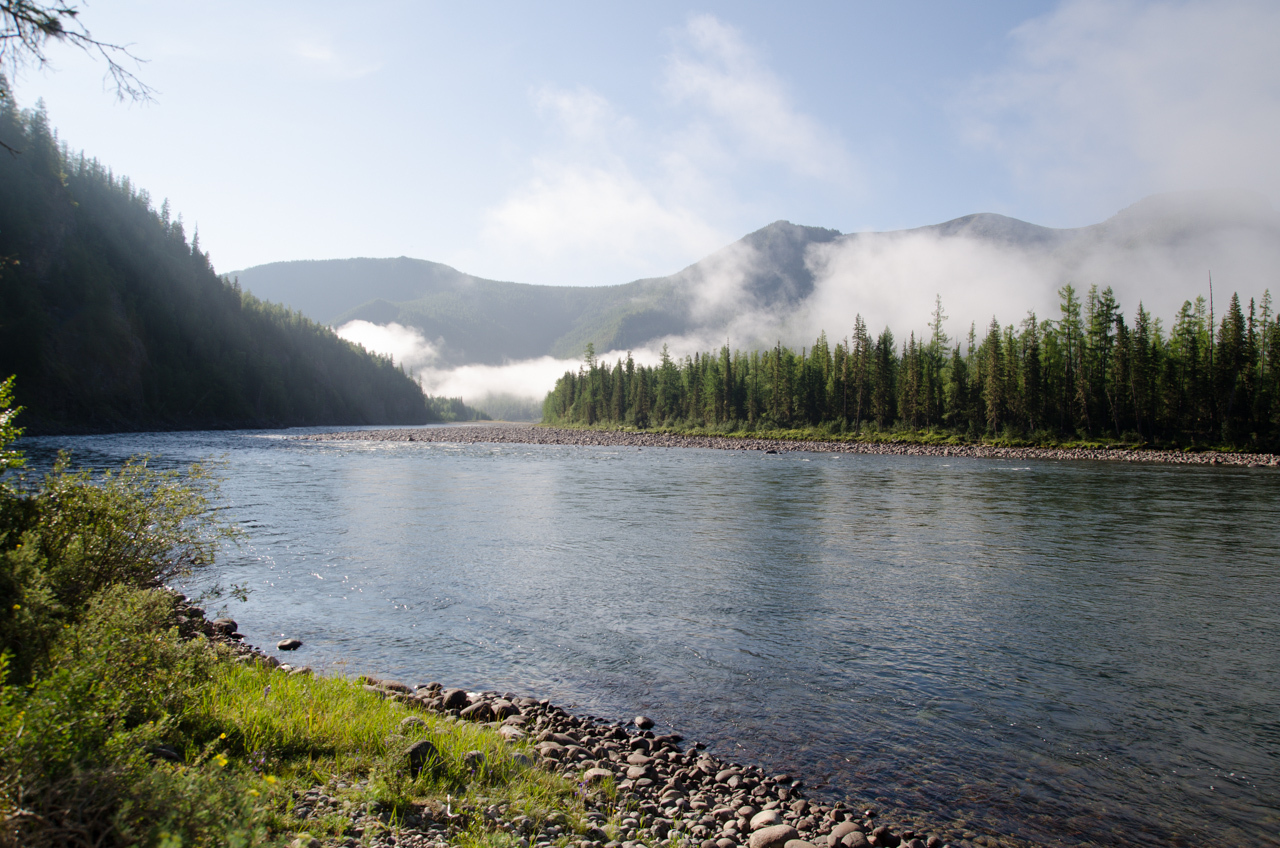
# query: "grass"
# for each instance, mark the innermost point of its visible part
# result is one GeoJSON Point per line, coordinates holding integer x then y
{"type": "Point", "coordinates": [81, 767]}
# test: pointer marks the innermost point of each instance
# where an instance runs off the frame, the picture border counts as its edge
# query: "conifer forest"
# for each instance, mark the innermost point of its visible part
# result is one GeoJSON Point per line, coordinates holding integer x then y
{"type": "Point", "coordinates": [1212, 378]}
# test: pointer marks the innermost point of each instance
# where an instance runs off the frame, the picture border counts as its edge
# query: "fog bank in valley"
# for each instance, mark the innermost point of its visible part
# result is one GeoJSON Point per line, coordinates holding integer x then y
{"type": "Point", "coordinates": [1159, 252]}
{"type": "Point", "coordinates": [515, 386]}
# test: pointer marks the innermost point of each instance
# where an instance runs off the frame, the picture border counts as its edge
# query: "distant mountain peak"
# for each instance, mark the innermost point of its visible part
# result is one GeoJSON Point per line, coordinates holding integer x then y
{"type": "Point", "coordinates": [771, 272]}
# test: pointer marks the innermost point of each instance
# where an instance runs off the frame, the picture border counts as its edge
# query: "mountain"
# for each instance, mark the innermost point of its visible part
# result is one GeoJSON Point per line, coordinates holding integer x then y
{"type": "Point", "coordinates": [475, 320]}
{"type": "Point", "coordinates": [111, 320]}
{"type": "Point", "coordinates": [788, 281]}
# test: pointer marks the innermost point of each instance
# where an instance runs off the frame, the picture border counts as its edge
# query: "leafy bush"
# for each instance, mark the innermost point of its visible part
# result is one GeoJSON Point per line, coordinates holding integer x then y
{"type": "Point", "coordinates": [77, 533]}
{"type": "Point", "coordinates": [82, 746]}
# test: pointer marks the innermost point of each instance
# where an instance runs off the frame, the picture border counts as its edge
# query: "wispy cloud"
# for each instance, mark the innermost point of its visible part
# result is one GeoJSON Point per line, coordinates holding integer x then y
{"type": "Point", "coordinates": [745, 106]}
{"type": "Point", "coordinates": [1103, 102]}
{"type": "Point", "coordinates": [570, 215]}
{"type": "Point", "coordinates": [613, 199]}
{"type": "Point", "coordinates": [320, 56]}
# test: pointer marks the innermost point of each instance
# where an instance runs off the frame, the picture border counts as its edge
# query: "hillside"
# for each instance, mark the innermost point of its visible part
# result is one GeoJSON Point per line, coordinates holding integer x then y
{"type": "Point", "coordinates": [112, 320]}
{"type": "Point", "coordinates": [486, 321]}
{"type": "Point", "coordinates": [787, 281]}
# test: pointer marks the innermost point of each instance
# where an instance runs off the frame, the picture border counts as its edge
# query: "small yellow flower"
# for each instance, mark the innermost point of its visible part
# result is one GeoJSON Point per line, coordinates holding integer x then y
{"type": "Point", "coordinates": [17, 606]}
{"type": "Point", "coordinates": [255, 793]}
{"type": "Point", "coordinates": [222, 736]}
{"type": "Point", "coordinates": [271, 778]}
{"type": "Point", "coordinates": [221, 761]}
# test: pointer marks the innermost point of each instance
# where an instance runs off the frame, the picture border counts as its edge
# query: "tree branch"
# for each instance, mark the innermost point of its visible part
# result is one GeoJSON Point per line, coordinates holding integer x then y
{"type": "Point", "coordinates": [26, 28]}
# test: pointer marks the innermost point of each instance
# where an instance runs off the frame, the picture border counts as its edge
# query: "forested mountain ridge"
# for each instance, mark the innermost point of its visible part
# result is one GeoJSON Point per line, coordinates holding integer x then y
{"type": "Point", "coordinates": [112, 320]}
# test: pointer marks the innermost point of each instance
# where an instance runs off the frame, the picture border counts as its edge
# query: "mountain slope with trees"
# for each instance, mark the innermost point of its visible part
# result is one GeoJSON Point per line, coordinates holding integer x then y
{"type": "Point", "coordinates": [113, 320]}
{"type": "Point", "coordinates": [475, 320]}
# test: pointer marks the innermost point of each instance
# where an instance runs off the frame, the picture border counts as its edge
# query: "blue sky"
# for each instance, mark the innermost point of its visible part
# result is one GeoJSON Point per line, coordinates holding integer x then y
{"type": "Point", "coordinates": [592, 143]}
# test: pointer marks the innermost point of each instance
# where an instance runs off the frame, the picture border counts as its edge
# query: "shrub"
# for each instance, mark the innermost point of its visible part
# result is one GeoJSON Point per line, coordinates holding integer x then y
{"type": "Point", "coordinates": [74, 535]}
{"type": "Point", "coordinates": [75, 760]}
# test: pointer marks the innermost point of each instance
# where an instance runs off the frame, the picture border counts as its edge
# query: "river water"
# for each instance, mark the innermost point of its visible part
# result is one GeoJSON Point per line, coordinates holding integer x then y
{"type": "Point", "coordinates": [1068, 653]}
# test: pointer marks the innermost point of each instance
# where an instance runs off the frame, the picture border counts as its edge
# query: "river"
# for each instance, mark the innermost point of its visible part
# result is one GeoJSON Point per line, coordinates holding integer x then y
{"type": "Point", "coordinates": [1064, 652]}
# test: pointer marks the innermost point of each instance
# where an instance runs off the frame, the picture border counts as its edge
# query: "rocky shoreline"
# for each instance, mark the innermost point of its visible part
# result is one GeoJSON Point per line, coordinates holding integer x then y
{"type": "Point", "coordinates": [666, 793]}
{"type": "Point", "coordinates": [524, 434]}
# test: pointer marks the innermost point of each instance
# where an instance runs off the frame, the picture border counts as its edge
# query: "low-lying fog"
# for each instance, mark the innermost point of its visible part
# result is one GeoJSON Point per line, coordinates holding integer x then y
{"type": "Point", "coordinates": [1158, 252]}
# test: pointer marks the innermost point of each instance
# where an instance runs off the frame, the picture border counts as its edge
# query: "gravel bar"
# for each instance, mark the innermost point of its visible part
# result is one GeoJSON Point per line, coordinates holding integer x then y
{"type": "Point", "coordinates": [524, 434]}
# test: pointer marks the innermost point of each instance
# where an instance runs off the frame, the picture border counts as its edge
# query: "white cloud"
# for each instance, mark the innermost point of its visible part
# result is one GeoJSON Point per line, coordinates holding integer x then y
{"type": "Point", "coordinates": [1106, 101]}
{"type": "Point", "coordinates": [583, 221]}
{"type": "Point", "coordinates": [613, 199]}
{"type": "Point", "coordinates": [582, 114]}
{"type": "Point", "coordinates": [724, 78]}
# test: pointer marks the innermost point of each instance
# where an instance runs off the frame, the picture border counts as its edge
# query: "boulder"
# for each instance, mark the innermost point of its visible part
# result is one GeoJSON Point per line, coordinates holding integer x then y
{"type": "Point", "coordinates": [840, 831]}
{"type": "Point", "coordinates": [511, 733]}
{"type": "Point", "coordinates": [595, 775]}
{"type": "Point", "coordinates": [479, 711]}
{"type": "Point", "coordinates": [642, 722]}
{"type": "Point", "coordinates": [455, 699]}
{"type": "Point", "coordinates": [289, 644]}
{"type": "Point", "coordinates": [502, 709]}
{"type": "Point", "coordinates": [776, 836]}
{"type": "Point", "coordinates": [765, 818]}
{"type": "Point", "coordinates": [422, 755]}
{"type": "Point", "coordinates": [394, 686]}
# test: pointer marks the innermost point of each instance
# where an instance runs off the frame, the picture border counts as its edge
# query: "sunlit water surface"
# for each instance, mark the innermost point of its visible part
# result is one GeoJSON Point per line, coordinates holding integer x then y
{"type": "Point", "coordinates": [1066, 652]}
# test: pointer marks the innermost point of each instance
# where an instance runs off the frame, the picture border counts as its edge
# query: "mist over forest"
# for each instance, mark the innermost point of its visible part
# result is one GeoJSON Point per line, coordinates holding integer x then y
{"type": "Point", "coordinates": [476, 338]}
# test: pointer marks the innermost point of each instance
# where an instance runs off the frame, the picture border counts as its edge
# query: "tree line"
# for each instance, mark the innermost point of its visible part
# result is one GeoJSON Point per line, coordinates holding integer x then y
{"type": "Point", "coordinates": [1088, 373]}
{"type": "Point", "coordinates": [112, 318]}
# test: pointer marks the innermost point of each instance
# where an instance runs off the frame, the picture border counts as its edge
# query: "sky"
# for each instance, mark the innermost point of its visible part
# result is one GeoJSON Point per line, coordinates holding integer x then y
{"type": "Point", "coordinates": [597, 143]}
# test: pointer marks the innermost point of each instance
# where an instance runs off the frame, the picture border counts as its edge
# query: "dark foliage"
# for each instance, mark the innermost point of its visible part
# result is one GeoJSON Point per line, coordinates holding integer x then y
{"type": "Point", "coordinates": [1089, 374]}
{"type": "Point", "coordinates": [113, 320]}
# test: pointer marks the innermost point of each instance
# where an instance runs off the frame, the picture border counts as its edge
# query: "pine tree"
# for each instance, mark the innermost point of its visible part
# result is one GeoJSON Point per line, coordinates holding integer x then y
{"type": "Point", "coordinates": [991, 375]}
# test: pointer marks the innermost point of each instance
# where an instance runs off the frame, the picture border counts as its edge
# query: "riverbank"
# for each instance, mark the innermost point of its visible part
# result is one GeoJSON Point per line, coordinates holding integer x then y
{"type": "Point", "coordinates": [635, 785]}
{"type": "Point", "coordinates": [505, 433]}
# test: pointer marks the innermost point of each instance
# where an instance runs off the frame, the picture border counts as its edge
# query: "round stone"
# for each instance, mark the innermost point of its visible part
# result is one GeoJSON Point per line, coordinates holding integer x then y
{"type": "Point", "coordinates": [776, 836]}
